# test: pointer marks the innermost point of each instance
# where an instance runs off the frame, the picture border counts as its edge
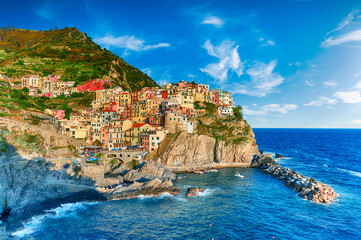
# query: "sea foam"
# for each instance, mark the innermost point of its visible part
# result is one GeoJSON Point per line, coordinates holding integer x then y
{"type": "Point", "coordinates": [65, 210]}
{"type": "Point", "coordinates": [357, 174]}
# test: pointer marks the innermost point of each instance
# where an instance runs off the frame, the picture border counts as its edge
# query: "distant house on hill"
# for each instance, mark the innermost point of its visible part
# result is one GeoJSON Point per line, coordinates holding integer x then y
{"type": "Point", "coordinates": [93, 85]}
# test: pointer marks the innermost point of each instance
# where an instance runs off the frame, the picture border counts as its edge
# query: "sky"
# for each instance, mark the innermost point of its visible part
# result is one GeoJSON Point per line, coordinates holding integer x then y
{"type": "Point", "coordinates": [289, 63]}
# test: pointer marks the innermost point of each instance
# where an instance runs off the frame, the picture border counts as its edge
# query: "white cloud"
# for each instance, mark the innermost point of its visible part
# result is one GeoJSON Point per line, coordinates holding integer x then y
{"type": "Point", "coordinates": [356, 121]}
{"type": "Point", "coordinates": [352, 96]}
{"type": "Point", "coordinates": [321, 101]}
{"type": "Point", "coordinates": [228, 57]}
{"type": "Point", "coordinates": [216, 21]}
{"type": "Point", "coordinates": [330, 84]}
{"type": "Point", "coordinates": [350, 17]}
{"type": "Point", "coordinates": [358, 85]}
{"type": "Point", "coordinates": [310, 83]}
{"type": "Point", "coordinates": [347, 37]}
{"type": "Point", "coordinates": [263, 80]}
{"type": "Point", "coordinates": [127, 42]}
{"type": "Point", "coordinates": [147, 71]}
{"type": "Point", "coordinates": [267, 43]}
{"type": "Point", "coordinates": [271, 109]}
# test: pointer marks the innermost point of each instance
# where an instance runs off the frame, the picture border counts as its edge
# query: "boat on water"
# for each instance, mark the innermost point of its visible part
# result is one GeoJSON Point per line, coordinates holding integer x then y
{"type": "Point", "coordinates": [238, 175]}
{"type": "Point", "coordinates": [206, 171]}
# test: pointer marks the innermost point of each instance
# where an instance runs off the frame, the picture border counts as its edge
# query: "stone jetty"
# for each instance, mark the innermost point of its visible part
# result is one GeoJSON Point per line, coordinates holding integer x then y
{"type": "Point", "coordinates": [308, 188]}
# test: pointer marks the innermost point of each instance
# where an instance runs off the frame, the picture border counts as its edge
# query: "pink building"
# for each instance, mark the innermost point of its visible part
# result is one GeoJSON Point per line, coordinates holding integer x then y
{"type": "Point", "coordinates": [60, 114]}
{"type": "Point", "coordinates": [93, 85]}
{"type": "Point", "coordinates": [53, 78]}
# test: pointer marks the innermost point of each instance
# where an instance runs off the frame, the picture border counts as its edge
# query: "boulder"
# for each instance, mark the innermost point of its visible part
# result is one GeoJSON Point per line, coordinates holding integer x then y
{"type": "Point", "coordinates": [264, 161]}
{"type": "Point", "coordinates": [149, 171]}
{"type": "Point", "coordinates": [279, 156]}
{"type": "Point", "coordinates": [193, 191]}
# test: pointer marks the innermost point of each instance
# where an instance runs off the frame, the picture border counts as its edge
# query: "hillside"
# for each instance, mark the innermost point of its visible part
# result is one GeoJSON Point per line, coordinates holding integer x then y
{"type": "Point", "coordinates": [67, 52]}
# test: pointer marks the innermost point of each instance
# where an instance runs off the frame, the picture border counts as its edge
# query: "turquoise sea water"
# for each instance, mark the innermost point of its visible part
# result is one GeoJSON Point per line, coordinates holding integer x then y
{"type": "Point", "coordinates": [255, 207]}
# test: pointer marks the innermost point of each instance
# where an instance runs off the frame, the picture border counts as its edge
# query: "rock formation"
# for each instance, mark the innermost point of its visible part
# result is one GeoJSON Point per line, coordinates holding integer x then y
{"type": "Point", "coordinates": [29, 186]}
{"type": "Point", "coordinates": [193, 150]}
{"type": "Point", "coordinates": [149, 171]}
{"type": "Point", "coordinates": [193, 191]}
{"type": "Point", "coordinates": [153, 187]}
{"type": "Point", "coordinates": [309, 188]}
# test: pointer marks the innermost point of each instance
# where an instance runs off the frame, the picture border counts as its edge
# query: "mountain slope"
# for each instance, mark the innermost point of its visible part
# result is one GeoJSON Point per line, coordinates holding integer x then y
{"type": "Point", "coordinates": [67, 52]}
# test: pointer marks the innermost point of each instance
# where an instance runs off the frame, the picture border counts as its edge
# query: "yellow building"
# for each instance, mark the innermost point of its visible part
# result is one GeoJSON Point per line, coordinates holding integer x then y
{"type": "Point", "coordinates": [198, 97]}
{"type": "Point", "coordinates": [187, 100]}
{"type": "Point", "coordinates": [135, 132]}
{"type": "Point", "coordinates": [124, 99]}
{"type": "Point", "coordinates": [140, 111]}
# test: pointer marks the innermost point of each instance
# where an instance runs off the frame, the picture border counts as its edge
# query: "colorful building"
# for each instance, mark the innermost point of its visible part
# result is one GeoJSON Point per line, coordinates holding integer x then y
{"type": "Point", "coordinates": [93, 85]}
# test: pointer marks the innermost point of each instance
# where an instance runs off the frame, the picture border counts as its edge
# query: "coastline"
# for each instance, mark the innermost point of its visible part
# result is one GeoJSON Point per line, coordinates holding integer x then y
{"type": "Point", "coordinates": [197, 167]}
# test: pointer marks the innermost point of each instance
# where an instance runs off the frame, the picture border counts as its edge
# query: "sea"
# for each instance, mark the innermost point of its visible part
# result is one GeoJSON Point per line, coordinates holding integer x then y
{"type": "Point", "coordinates": [257, 206]}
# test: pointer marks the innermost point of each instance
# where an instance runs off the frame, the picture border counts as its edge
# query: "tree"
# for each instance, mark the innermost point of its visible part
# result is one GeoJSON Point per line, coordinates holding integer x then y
{"type": "Point", "coordinates": [106, 85]}
{"type": "Point", "coordinates": [97, 143]}
{"type": "Point", "coordinates": [237, 112]}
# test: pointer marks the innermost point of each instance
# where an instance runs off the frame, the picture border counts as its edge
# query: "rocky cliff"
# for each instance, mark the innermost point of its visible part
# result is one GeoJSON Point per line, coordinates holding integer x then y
{"type": "Point", "coordinates": [184, 151]}
{"type": "Point", "coordinates": [29, 186]}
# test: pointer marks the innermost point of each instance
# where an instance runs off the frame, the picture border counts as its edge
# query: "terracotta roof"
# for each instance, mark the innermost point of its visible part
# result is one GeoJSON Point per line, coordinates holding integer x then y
{"type": "Point", "coordinates": [137, 125]}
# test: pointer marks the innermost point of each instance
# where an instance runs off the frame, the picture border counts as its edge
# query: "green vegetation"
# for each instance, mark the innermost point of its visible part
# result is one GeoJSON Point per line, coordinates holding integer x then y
{"type": "Point", "coordinates": [98, 155]}
{"type": "Point", "coordinates": [230, 129]}
{"type": "Point", "coordinates": [19, 99]}
{"type": "Point", "coordinates": [3, 145]}
{"type": "Point", "coordinates": [132, 164]}
{"type": "Point", "coordinates": [211, 108]}
{"type": "Point", "coordinates": [237, 112]}
{"type": "Point", "coordinates": [29, 142]}
{"type": "Point", "coordinates": [97, 143]}
{"type": "Point", "coordinates": [67, 52]}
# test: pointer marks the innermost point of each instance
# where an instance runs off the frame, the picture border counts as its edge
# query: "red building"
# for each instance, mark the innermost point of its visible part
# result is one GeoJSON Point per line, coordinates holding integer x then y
{"type": "Point", "coordinates": [135, 96]}
{"type": "Point", "coordinates": [93, 85]}
{"type": "Point", "coordinates": [156, 120]}
{"type": "Point", "coordinates": [165, 94]}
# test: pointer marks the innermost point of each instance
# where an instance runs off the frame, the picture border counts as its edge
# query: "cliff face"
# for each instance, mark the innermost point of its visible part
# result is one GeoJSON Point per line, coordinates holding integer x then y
{"type": "Point", "coordinates": [218, 141]}
{"type": "Point", "coordinates": [29, 186]}
{"type": "Point", "coordinates": [192, 150]}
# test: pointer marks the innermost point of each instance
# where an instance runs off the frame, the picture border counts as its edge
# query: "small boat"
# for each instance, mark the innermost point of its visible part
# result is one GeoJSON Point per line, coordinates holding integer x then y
{"type": "Point", "coordinates": [199, 172]}
{"type": "Point", "coordinates": [238, 175]}
{"type": "Point", "coordinates": [213, 170]}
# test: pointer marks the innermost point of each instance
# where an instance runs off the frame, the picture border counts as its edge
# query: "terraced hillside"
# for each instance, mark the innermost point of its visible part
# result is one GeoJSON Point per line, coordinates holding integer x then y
{"type": "Point", "coordinates": [67, 52]}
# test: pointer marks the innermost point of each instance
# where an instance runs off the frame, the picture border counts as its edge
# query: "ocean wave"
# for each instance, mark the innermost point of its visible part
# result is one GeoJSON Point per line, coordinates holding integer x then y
{"type": "Point", "coordinates": [65, 210]}
{"type": "Point", "coordinates": [357, 174]}
{"type": "Point", "coordinates": [161, 196]}
{"type": "Point", "coordinates": [206, 192]}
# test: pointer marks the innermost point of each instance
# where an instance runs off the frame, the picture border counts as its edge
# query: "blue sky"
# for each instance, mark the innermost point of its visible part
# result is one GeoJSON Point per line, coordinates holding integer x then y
{"type": "Point", "coordinates": [290, 63]}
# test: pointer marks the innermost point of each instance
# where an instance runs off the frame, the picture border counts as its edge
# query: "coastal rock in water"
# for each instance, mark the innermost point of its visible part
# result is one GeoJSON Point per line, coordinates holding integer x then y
{"type": "Point", "coordinates": [147, 171]}
{"type": "Point", "coordinates": [153, 187]}
{"type": "Point", "coordinates": [264, 161]}
{"type": "Point", "coordinates": [309, 188]}
{"type": "Point", "coordinates": [193, 191]}
{"type": "Point", "coordinates": [279, 156]}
